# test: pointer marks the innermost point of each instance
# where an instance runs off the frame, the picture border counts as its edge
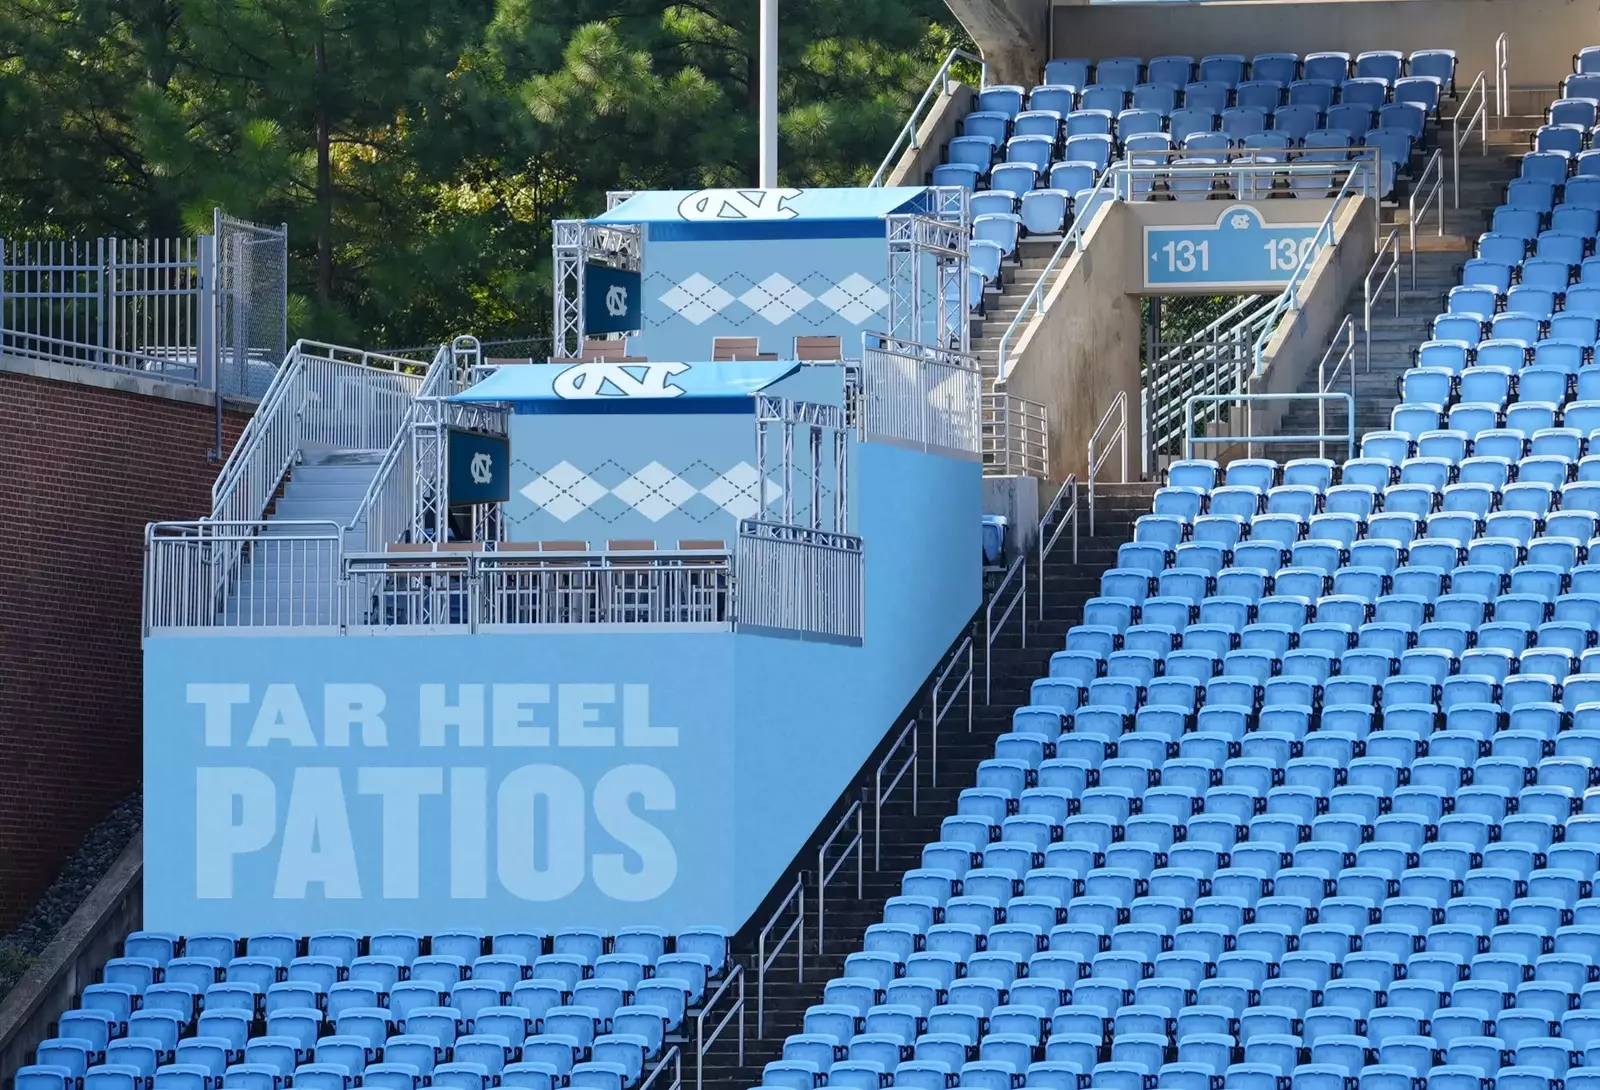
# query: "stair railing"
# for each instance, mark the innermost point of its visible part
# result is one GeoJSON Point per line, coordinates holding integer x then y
{"type": "Point", "coordinates": [1389, 249]}
{"type": "Point", "coordinates": [1345, 335]}
{"type": "Point", "coordinates": [964, 682]}
{"type": "Point", "coordinates": [1459, 134]}
{"type": "Point", "coordinates": [1213, 360]}
{"type": "Point", "coordinates": [939, 87]}
{"type": "Point", "coordinates": [1069, 487]}
{"type": "Point", "coordinates": [880, 793]}
{"type": "Point", "coordinates": [701, 1041]}
{"type": "Point", "coordinates": [386, 507]}
{"type": "Point", "coordinates": [825, 873]}
{"type": "Point", "coordinates": [1423, 194]}
{"type": "Point", "coordinates": [1116, 414]}
{"type": "Point", "coordinates": [764, 961]}
{"type": "Point", "coordinates": [671, 1061]}
{"type": "Point", "coordinates": [992, 628]}
{"type": "Point", "coordinates": [1502, 76]}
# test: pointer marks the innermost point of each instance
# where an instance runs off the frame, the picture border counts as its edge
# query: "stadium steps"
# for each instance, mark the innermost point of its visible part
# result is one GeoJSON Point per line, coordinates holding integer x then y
{"type": "Point", "coordinates": [1438, 262]}
{"type": "Point", "coordinates": [325, 487]}
{"type": "Point", "coordinates": [1067, 585]}
{"type": "Point", "coordinates": [1000, 308]}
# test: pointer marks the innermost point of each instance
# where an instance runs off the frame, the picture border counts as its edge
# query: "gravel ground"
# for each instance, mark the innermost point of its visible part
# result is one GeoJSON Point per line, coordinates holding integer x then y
{"type": "Point", "coordinates": [88, 865]}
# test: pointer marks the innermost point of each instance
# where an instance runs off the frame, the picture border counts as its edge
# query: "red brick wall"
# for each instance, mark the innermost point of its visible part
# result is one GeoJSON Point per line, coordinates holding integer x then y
{"type": "Point", "coordinates": [82, 469]}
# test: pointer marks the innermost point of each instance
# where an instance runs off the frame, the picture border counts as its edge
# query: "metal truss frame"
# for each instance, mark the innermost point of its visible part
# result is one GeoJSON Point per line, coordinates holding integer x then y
{"type": "Point", "coordinates": [579, 243]}
{"type": "Point", "coordinates": [818, 424]}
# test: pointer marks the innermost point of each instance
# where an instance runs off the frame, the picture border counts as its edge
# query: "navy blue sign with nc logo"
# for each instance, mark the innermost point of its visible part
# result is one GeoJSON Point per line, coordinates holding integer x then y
{"type": "Point", "coordinates": [479, 467]}
{"type": "Point", "coordinates": [1239, 251]}
{"type": "Point", "coordinates": [610, 300]}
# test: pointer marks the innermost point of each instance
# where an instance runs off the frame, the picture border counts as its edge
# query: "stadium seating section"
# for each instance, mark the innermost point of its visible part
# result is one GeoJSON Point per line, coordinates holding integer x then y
{"type": "Point", "coordinates": [1034, 155]}
{"type": "Point", "coordinates": [1310, 797]}
{"type": "Point", "coordinates": [393, 1011]}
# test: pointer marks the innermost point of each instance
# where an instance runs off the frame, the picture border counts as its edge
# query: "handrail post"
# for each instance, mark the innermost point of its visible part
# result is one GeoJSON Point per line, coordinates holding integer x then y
{"type": "Point", "coordinates": [825, 873]}
{"type": "Point", "coordinates": [880, 793]}
{"type": "Point", "coordinates": [796, 895]}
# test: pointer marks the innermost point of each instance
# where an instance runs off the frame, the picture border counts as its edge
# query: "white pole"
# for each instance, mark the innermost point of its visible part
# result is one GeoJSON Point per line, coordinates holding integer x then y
{"type": "Point", "coordinates": [769, 94]}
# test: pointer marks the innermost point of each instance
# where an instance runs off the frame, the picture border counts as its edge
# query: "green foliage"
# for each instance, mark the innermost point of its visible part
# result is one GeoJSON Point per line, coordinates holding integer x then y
{"type": "Point", "coordinates": [419, 150]}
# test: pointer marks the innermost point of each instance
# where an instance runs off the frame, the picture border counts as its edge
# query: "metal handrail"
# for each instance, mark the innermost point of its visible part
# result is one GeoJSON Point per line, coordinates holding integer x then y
{"type": "Point", "coordinates": [1201, 365]}
{"type": "Point", "coordinates": [991, 629]}
{"type": "Point", "coordinates": [797, 897]}
{"type": "Point", "coordinates": [1479, 119]}
{"type": "Point", "coordinates": [673, 1056]}
{"type": "Point", "coordinates": [1118, 409]}
{"type": "Point", "coordinates": [907, 137]}
{"type": "Point", "coordinates": [1502, 75]}
{"type": "Point", "coordinates": [964, 682]}
{"type": "Point", "coordinates": [702, 1042]}
{"type": "Point", "coordinates": [1391, 247]}
{"type": "Point", "coordinates": [1427, 194]}
{"type": "Point", "coordinates": [1291, 292]}
{"type": "Point", "coordinates": [825, 873]}
{"type": "Point", "coordinates": [1190, 439]}
{"type": "Point", "coordinates": [442, 365]}
{"type": "Point", "coordinates": [1070, 485]}
{"type": "Point", "coordinates": [1347, 333]}
{"type": "Point", "coordinates": [1034, 303]}
{"type": "Point", "coordinates": [881, 793]}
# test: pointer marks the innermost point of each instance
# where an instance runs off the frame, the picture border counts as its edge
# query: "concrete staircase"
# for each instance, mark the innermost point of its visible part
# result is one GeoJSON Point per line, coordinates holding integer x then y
{"type": "Point", "coordinates": [1000, 306]}
{"type": "Point", "coordinates": [1067, 585]}
{"type": "Point", "coordinates": [1438, 259]}
{"type": "Point", "coordinates": [326, 487]}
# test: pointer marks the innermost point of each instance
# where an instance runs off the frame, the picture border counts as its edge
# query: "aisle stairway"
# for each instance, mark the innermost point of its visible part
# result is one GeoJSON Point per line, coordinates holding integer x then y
{"type": "Point", "coordinates": [1000, 307]}
{"type": "Point", "coordinates": [1067, 586]}
{"type": "Point", "coordinates": [327, 488]}
{"type": "Point", "coordinates": [1438, 263]}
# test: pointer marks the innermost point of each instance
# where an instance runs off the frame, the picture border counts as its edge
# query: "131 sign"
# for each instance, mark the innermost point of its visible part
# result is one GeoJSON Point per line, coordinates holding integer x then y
{"type": "Point", "coordinates": [1239, 251]}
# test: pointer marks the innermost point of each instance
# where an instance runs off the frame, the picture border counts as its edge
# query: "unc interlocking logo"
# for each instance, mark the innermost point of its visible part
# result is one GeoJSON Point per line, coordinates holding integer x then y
{"type": "Point", "coordinates": [617, 301]}
{"type": "Point", "coordinates": [1240, 221]}
{"type": "Point", "coordinates": [603, 379]}
{"type": "Point", "coordinates": [482, 469]}
{"type": "Point", "coordinates": [739, 204]}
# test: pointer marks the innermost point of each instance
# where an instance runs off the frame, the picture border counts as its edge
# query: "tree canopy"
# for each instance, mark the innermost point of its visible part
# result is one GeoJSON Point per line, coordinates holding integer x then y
{"type": "Point", "coordinates": [420, 149]}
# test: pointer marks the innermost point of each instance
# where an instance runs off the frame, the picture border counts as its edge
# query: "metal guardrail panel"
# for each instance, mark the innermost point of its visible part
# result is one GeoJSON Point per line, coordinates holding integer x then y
{"type": "Point", "coordinates": [793, 578]}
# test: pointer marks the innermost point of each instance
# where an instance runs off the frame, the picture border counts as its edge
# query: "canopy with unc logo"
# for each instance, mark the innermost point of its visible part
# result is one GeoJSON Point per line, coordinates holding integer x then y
{"type": "Point", "coordinates": [609, 384]}
{"type": "Point", "coordinates": [766, 207]}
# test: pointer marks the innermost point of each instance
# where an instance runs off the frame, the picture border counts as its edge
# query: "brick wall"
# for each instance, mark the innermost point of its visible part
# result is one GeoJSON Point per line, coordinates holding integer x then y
{"type": "Point", "coordinates": [82, 469]}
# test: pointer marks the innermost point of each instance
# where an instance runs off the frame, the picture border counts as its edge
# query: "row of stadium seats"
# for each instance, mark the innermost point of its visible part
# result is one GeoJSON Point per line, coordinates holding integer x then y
{"type": "Point", "coordinates": [395, 1010]}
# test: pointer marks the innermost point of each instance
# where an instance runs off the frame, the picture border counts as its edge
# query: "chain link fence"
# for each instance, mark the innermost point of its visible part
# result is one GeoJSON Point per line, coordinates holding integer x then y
{"type": "Point", "coordinates": [252, 304]}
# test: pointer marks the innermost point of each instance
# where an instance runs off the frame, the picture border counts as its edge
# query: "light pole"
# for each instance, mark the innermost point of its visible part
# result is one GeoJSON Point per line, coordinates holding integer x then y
{"type": "Point", "coordinates": [769, 94]}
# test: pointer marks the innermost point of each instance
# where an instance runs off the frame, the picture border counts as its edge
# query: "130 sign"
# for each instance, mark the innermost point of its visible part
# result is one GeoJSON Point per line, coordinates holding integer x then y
{"type": "Point", "coordinates": [1239, 251]}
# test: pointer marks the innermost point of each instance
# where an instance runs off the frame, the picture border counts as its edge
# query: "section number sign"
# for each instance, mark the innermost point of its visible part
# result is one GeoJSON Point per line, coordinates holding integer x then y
{"type": "Point", "coordinates": [1240, 251]}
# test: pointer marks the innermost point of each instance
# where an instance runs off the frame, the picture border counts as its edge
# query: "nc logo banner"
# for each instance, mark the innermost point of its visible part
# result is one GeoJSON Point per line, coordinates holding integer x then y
{"type": "Point", "coordinates": [390, 799]}
{"type": "Point", "coordinates": [603, 379]}
{"type": "Point", "coordinates": [611, 302]}
{"type": "Point", "coordinates": [739, 204]}
{"type": "Point", "coordinates": [479, 467]}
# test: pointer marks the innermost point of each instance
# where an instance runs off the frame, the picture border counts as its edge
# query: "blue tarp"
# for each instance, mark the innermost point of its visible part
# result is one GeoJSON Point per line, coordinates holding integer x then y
{"type": "Point", "coordinates": [594, 383]}
{"type": "Point", "coordinates": [765, 206]}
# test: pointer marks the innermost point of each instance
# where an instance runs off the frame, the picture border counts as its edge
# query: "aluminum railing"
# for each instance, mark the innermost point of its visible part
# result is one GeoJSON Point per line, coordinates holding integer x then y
{"type": "Point", "coordinates": [1424, 194]}
{"type": "Point", "coordinates": [298, 575]}
{"type": "Point", "coordinates": [1502, 76]}
{"type": "Point", "coordinates": [825, 873]}
{"type": "Point", "coordinates": [323, 396]}
{"type": "Point", "coordinates": [880, 793]}
{"type": "Point", "coordinates": [800, 579]}
{"type": "Point", "coordinates": [1190, 439]}
{"type": "Point", "coordinates": [992, 628]}
{"type": "Point", "coordinates": [294, 575]}
{"type": "Point", "coordinates": [920, 395]}
{"type": "Point", "coordinates": [1213, 360]}
{"type": "Point", "coordinates": [1116, 418]}
{"type": "Point", "coordinates": [938, 87]}
{"type": "Point", "coordinates": [385, 511]}
{"type": "Point", "coordinates": [941, 709]}
{"type": "Point", "coordinates": [1344, 336]}
{"type": "Point", "coordinates": [1390, 248]}
{"type": "Point", "coordinates": [764, 961]}
{"type": "Point", "coordinates": [1069, 487]}
{"type": "Point", "coordinates": [1290, 299]}
{"type": "Point", "coordinates": [1459, 135]}
{"type": "Point", "coordinates": [1130, 181]}
{"type": "Point", "coordinates": [732, 986]}
{"type": "Point", "coordinates": [668, 1071]}
{"type": "Point", "coordinates": [1015, 436]}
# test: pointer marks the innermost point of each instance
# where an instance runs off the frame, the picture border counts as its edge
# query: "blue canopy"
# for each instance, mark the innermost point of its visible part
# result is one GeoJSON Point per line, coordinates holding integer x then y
{"type": "Point", "coordinates": [765, 211]}
{"type": "Point", "coordinates": [601, 384]}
